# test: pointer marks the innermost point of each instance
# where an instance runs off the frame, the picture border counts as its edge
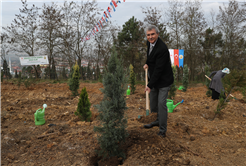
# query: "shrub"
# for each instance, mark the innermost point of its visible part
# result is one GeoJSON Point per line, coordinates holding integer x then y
{"type": "Point", "coordinates": [19, 80]}
{"type": "Point", "coordinates": [132, 79]}
{"type": "Point", "coordinates": [185, 79]}
{"type": "Point", "coordinates": [83, 109]}
{"type": "Point", "coordinates": [112, 131]}
{"type": "Point", "coordinates": [173, 88]}
{"type": "Point", "coordinates": [207, 82]}
{"type": "Point", "coordinates": [74, 81]}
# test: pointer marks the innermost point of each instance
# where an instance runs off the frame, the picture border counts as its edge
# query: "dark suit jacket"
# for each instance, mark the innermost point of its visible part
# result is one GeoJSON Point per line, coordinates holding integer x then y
{"type": "Point", "coordinates": [159, 63]}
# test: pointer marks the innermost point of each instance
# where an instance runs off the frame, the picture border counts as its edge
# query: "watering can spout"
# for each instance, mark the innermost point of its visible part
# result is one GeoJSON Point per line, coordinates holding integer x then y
{"type": "Point", "coordinates": [174, 106]}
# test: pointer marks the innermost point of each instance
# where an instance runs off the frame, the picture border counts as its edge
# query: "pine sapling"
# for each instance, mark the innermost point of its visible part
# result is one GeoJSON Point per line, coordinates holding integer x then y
{"type": "Point", "coordinates": [173, 88]}
{"type": "Point", "coordinates": [16, 75]}
{"type": "Point", "coordinates": [132, 79]}
{"type": "Point", "coordinates": [112, 131]}
{"type": "Point", "coordinates": [1, 76]}
{"type": "Point", "coordinates": [19, 80]}
{"type": "Point", "coordinates": [185, 79]}
{"type": "Point", "coordinates": [74, 81]}
{"type": "Point", "coordinates": [207, 82]}
{"type": "Point", "coordinates": [83, 109]}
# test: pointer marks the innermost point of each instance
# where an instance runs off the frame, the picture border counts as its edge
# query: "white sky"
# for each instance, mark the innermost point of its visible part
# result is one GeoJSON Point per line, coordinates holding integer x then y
{"type": "Point", "coordinates": [124, 11]}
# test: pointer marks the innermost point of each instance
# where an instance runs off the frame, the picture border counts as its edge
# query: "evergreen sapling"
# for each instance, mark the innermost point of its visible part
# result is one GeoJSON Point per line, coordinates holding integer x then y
{"type": "Point", "coordinates": [112, 131]}
{"type": "Point", "coordinates": [83, 109]}
{"type": "Point", "coordinates": [185, 79]}
{"type": "Point", "coordinates": [173, 88]}
{"type": "Point", "coordinates": [16, 75]}
{"type": "Point", "coordinates": [132, 79]}
{"type": "Point", "coordinates": [74, 81]}
{"type": "Point", "coordinates": [19, 80]}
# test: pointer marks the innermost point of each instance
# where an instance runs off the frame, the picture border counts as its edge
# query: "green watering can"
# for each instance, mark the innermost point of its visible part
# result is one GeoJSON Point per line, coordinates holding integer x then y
{"type": "Point", "coordinates": [39, 116]}
{"type": "Point", "coordinates": [128, 92]}
{"type": "Point", "coordinates": [170, 105]}
{"type": "Point", "coordinates": [180, 88]}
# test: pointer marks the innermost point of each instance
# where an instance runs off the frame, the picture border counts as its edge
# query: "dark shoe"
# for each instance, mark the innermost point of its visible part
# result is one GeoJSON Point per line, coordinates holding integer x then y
{"type": "Point", "coordinates": [162, 134]}
{"type": "Point", "coordinates": [147, 126]}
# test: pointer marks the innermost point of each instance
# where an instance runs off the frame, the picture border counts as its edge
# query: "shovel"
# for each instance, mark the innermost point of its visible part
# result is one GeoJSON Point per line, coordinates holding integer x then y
{"type": "Point", "coordinates": [230, 94]}
{"type": "Point", "coordinates": [147, 94]}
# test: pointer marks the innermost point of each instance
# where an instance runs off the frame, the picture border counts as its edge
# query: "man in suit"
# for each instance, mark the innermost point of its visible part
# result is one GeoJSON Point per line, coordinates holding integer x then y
{"type": "Point", "coordinates": [160, 76]}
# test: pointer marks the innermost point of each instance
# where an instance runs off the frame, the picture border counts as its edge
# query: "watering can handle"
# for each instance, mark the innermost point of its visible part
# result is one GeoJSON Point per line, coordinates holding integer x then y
{"type": "Point", "coordinates": [146, 83]}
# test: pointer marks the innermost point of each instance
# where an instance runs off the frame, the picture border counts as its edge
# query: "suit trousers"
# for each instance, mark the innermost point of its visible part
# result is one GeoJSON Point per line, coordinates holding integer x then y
{"type": "Point", "coordinates": [158, 103]}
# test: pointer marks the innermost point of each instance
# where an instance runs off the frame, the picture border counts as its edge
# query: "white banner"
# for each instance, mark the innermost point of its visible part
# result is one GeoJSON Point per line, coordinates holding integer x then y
{"type": "Point", "coordinates": [34, 60]}
{"type": "Point", "coordinates": [171, 51]}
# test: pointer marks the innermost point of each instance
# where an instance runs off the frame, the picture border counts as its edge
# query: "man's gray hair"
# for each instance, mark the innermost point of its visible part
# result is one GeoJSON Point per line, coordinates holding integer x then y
{"type": "Point", "coordinates": [150, 27]}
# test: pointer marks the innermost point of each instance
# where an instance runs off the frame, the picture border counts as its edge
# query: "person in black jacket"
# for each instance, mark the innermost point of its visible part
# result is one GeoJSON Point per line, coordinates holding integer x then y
{"type": "Point", "coordinates": [160, 76]}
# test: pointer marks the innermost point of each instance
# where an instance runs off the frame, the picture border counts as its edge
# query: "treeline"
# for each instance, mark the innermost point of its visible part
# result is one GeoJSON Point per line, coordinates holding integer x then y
{"type": "Point", "coordinates": [216, 41]}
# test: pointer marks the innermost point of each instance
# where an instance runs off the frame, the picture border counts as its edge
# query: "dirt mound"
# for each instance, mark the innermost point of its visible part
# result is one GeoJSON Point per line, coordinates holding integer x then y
{"type": "Point", "coordinates": [193, 138]}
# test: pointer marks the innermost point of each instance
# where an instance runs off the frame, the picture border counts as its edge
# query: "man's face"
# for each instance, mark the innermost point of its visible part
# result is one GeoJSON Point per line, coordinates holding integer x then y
{"type": "Point", "coordinates": [152, 36]}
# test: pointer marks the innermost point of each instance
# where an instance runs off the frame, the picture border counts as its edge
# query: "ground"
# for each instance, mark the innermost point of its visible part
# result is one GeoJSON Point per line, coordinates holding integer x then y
{"type": "Point", "coordinates": [193, 138]}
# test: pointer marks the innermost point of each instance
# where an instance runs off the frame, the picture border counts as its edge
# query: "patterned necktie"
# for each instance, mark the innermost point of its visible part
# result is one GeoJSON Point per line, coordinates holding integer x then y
{"type": "Point", "coordinates": [150, 49]}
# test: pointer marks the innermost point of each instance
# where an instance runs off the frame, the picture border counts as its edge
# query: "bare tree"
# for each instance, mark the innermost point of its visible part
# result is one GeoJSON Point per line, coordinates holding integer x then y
{"type": "Point", "coordinates": [175, 16]}
{"type": "Point", "coordinates": [194, 28]}
{"type": "Point", "coordinates": [67, 32]}
{"type": "Point", "coordinates": [23, 31]}
{"type": "Point", "coordinates": [85, 19]}
{"type": "Point", "coordinates": [103, 44]}
{"type": "Point", "coordinates": [232, 23]}
{"type": "Point", "coordinates": [50, 25]}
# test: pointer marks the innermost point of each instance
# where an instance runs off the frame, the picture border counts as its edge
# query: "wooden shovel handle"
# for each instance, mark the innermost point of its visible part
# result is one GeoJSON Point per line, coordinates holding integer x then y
{"type": "Point", "coordinates": [147, 94]}
{"type": "Point", "coordinates": [208, 77]}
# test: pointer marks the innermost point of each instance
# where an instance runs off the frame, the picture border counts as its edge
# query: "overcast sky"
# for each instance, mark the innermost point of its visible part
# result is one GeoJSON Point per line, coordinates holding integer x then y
{"type": "Point", "coordinates": [123, 12]}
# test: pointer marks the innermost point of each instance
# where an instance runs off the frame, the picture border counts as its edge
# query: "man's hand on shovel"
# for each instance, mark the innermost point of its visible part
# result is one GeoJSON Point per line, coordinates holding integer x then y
{"type": "Point", "coordinates": [147, 89]}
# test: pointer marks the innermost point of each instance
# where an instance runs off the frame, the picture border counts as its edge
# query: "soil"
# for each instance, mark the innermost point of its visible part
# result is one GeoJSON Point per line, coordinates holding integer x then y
{"type": "Point", "coordinates": [193, 138]}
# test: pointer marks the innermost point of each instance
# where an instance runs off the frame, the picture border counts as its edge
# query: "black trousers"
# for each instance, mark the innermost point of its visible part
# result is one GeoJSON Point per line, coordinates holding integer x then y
{"type": "Point", "coordinates": [215, 95]}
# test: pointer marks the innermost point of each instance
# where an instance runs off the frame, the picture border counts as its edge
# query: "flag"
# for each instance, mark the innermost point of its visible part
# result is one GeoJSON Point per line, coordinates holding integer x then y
{"type": "Point", "coordinates": [112, 6]}
{"type": "Point", "coordinates": [181, 58]}
{"type": "Point", "coordinates": [101, 23]}
{"type": "Point", "coordinates": [176, 57]}
{"type": "Point", "coordinates": [105, 18]}
{"type": "Point", "coordinates": [96, 28]}
{"type": "Point", "coordinates": [108, 10]}
{"type": "Point", "coordinates": [171, 56]}
{"type": "Point", "coordinates": [105, 14]}
{"type": "Point", "coordinates": [115, 4]}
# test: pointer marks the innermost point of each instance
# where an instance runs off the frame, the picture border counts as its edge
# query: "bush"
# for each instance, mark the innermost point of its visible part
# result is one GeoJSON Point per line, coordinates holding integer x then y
{"type": "Point", "coordinates": [28, 82]}
{"type": "Point", "coordinates": [132, 79]}
{"type": "Point", "coordinates": [207, 81]}
{"type": "Point", "coordinates": [173, 88]}
{"type": "Point", "coordinates": [112, 131]}
{"type": "Point", "coordinates": [83, 109]}
{"type": "Point", "coordinates": [244, 93]}
{"type": "Point", "coordinates": [185, 79]}
{"type": "Point", "coordinates": [74, 81]}
{"type": "Point", "coordinates": [1, 76]}
{"type": "Point", "coordinates": [19, 80]}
